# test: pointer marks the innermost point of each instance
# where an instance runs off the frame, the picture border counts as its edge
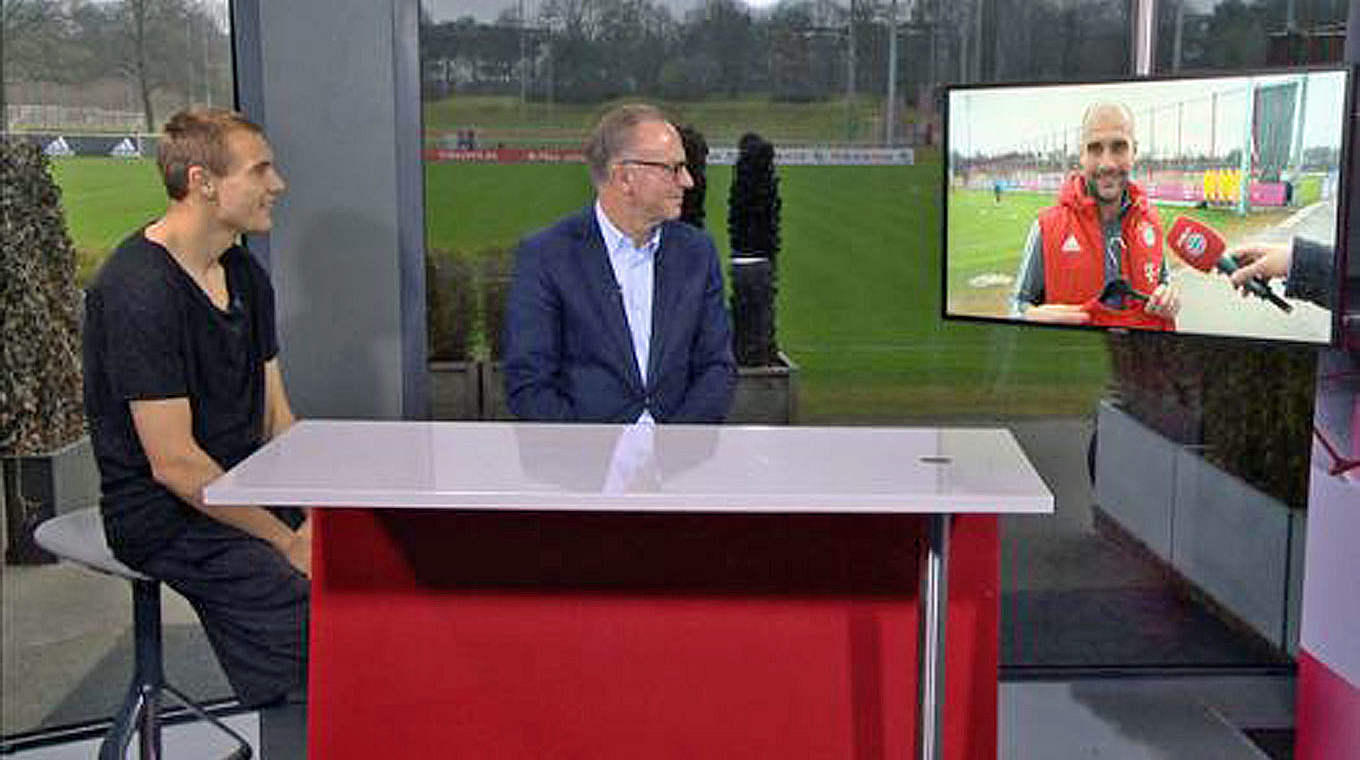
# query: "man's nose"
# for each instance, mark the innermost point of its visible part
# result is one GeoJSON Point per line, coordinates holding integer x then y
{"type": "Point", "coordinates": [686, 179]}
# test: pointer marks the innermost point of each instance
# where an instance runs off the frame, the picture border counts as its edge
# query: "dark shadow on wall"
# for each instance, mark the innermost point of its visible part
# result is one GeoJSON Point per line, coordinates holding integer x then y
{"type": "Point", "coordinates": [338, 299]}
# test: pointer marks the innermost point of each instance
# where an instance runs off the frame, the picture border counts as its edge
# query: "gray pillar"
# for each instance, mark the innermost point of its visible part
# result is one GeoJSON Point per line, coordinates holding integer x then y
{"type": "Point", "coordinates": [336, 87]}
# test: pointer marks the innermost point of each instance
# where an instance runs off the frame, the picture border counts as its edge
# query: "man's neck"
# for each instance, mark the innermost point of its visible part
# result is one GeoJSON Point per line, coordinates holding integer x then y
{"type": "Point", "coordinates": [636, 230]}
{"type": "Point", "coordinates": [194, 240]}
{"type": "Point", "coordinates": [1109, 212]}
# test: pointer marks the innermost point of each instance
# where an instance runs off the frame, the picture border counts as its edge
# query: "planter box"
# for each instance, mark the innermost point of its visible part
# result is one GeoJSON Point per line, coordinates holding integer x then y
{"type": "Point", "coordinates": [1136, 477]}
{"type": "Point", "coordinates": [764, 395]}
{"type": "Point", "coordinates": [493, 392]}
{"type": "Point", "coordinates": [1241, 547]}
{"type": "Point", "coordinates": [455, 390]}
{"type": "Point", "coordinates": [41, 486]}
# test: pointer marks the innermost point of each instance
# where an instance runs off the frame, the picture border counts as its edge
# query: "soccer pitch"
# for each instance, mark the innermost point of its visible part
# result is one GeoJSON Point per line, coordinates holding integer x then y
{"type": "Point", "coordinates": [104, 200]}
{"type": "Point", "coordinates": [859, 281]}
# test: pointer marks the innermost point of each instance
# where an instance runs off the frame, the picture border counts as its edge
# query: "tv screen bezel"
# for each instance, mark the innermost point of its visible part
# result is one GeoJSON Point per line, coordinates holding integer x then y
{"type": "Point", "coordinates": [1348, 175]}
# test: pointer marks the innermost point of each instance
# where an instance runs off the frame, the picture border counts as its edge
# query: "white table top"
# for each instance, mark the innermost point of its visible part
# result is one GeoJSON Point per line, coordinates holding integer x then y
{"type": "Point", "coordinates": [638, 468]}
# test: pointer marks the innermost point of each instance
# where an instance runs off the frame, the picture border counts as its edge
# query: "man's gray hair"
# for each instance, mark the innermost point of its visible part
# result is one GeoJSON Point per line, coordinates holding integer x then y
{"type": "Point", "coordinates": [614, 134]}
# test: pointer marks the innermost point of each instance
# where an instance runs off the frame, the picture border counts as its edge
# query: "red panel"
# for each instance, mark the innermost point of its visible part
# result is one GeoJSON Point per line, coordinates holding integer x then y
{"type": "Point", "coordinates": [1327, 713]}
{"type": "Point", "coordinates": [529, 635]}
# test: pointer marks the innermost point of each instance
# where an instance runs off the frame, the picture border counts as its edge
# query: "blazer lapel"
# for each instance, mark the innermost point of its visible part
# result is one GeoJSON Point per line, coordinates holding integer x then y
{"type": "Point", "coordinates": [604, 289]}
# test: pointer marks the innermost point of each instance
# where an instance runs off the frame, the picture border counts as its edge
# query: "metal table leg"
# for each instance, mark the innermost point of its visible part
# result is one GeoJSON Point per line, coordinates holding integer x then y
{"type": "Point", "coordinates": [934, 598]}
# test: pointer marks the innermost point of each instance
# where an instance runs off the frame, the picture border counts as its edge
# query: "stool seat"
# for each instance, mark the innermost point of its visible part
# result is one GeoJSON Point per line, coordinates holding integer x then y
{"type": "Point", "coordinates": [79, 537]}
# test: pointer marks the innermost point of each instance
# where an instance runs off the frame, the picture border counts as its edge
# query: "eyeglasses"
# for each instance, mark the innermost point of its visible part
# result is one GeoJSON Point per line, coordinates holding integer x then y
{"type": "Point", "coordinates": [673, 169]}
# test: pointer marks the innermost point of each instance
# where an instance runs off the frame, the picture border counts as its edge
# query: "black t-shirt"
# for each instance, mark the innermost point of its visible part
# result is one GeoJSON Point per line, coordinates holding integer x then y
{"type": "Point", "coordinates": [152, 333]}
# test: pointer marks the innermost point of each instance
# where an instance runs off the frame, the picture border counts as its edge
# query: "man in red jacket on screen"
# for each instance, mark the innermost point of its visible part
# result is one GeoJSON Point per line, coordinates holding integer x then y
{"type": "Point", "coordinates": [1103, 228]}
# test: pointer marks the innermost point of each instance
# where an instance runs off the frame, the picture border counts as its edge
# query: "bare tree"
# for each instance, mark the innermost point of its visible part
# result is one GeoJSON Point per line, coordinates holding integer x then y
{"type": "Point", "coordinates": [146, 41]}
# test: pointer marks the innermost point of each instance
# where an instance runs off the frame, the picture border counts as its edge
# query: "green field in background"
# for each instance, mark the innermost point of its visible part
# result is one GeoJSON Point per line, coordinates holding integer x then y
{"type": "Point", "coordinates": [859, 297]}
{"type": "Point", "coordinates": [105, 199]}
{"type": "Point", "coordinates": [723, 121]}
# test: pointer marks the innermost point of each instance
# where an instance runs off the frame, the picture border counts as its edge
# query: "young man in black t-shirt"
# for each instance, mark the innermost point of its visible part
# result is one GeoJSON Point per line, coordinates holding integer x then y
{"type": "Point", "coordinates": [182, 381]}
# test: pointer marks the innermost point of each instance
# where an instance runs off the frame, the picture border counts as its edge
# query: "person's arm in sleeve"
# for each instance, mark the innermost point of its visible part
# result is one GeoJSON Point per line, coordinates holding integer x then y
{"type": "Point", "coordinates": [533, 343]}
{"type": "Point", "coordinates": [713, 370]}
{"type": "Point", "coordinates": [165, 430]}
{"type": "Point", "coordinates": [1312, 273]}
{"type": "Point", "coordinates": [278, 412]}
{"type": "Point", "coordinates": [1308, 267]}
{"type": "Point", "coordinates": [278, 417]}
{"type": "Point", "coordinates": [1028, 301]}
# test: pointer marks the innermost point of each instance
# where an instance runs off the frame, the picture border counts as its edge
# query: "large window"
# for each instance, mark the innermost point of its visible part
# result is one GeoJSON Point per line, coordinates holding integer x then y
{"type": "Point", "coordinates": [510, 90]}
{"type": "Point", "coordinates": [90, 82]}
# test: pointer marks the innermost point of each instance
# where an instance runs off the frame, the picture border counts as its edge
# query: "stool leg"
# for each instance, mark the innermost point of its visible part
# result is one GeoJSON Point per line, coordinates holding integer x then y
{"type": "Point", "coordinates": [242, 751]}
{"type": "Point", "coordinates": [141, 709]}
{"type": "Point", "coordinates": [149, 674]}
{"type": "Point", "coordinates": [149, 733]}
{"type": "Point", "coordinates": [119, 736]}
{"type": "Point", "coordinates": [139, 712]}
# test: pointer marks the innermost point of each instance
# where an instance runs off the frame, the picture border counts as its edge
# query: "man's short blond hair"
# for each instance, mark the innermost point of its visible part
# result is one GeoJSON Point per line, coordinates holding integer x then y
{"type": "Point", "coordinates": [197, 137]}
{"type": "Point", "coordinates": [614, 134]}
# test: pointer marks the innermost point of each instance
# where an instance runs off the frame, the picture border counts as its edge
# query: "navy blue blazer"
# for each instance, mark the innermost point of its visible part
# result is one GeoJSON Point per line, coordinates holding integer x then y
{"type": "Point", "coordinates": [568, 353]}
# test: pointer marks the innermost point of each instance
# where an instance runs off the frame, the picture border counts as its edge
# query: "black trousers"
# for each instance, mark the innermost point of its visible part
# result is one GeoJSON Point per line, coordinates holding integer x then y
{"type": "Point", "coordinates": [251, 601]}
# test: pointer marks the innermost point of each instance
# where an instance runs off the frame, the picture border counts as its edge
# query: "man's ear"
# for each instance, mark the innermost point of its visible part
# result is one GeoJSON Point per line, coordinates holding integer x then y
{"type": "Point", "coordinates": [201, 183]}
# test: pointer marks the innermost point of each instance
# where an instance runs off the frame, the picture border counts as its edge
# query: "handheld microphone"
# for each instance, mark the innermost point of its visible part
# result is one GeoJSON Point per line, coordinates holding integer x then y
{"type": "Point", "coordinates": [1200, 246]}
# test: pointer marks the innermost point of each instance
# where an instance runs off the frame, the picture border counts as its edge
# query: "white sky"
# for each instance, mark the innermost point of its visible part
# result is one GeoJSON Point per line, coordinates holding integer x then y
{"type": "Point", "coordinates": [996, 120]}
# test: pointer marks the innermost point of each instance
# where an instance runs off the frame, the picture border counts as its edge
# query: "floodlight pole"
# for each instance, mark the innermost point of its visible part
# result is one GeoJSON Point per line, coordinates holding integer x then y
{"type": "Point", "coordinates": [890, 113]}
{"type": "Point", "coordinates": [1245, 161]}
{"type": "Point", "coordinates": [1180, 32]}
{"type": "Point", "coordinates": [523, 60]}
{"type": "Point", "coordinates": [850, 74]}
{"type": "Point", "coordinates": [1144, 32]}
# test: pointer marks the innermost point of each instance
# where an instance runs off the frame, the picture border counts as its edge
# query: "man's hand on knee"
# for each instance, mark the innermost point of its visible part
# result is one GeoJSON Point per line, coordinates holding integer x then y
{"type": "Point", "coordinates": [298, 550]}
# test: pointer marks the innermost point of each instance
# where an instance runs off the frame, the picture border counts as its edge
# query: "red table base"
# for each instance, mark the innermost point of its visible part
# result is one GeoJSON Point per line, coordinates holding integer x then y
{"type": "Point", "coordinates": [1327, 713]}
{"type": "Point", "coordinates": [442, 633]}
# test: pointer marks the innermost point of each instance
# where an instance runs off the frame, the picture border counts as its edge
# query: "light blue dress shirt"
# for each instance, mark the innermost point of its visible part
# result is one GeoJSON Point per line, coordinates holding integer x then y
{"type": "Point", "coordinates": [635, 271]}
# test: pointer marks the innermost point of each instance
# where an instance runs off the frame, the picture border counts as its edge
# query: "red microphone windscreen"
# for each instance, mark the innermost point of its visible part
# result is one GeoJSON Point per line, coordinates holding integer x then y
{"type": "Point", "coordinates": [1198, 244]}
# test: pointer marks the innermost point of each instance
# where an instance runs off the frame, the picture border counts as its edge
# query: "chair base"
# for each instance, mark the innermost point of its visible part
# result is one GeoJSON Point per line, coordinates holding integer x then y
{"type": "Point", "coordinates": [140, 711]}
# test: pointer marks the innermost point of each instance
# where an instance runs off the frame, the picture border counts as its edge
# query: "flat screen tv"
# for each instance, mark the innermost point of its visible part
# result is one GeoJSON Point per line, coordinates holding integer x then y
{"type": "Point", "coordinates": [1125, 204]}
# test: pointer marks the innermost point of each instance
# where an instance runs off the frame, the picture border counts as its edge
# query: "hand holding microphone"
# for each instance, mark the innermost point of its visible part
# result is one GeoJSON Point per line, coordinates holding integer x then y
{"type": "Point", "coordinates": [1264, 261]}
{"type": "Point", "coordinates": [1200, 246]}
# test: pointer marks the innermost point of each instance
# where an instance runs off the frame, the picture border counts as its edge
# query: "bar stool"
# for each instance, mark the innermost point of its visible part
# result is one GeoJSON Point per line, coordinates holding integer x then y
{"type": "Point", "coordinates": [79, 537]}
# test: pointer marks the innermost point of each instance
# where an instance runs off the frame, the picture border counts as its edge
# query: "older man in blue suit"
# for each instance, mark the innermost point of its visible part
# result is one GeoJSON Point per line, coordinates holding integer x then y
{"type": "Point", "coordinates": [616, 312]}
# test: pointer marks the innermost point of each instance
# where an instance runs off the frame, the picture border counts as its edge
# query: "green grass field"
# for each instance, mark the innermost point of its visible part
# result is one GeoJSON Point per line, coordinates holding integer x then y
{"type": "Point", "coordinates": [500, 119]}
{"type": "Point", "coordinates": [105, 199]}
{"type": "Point", "coordinates": [859, 299]}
